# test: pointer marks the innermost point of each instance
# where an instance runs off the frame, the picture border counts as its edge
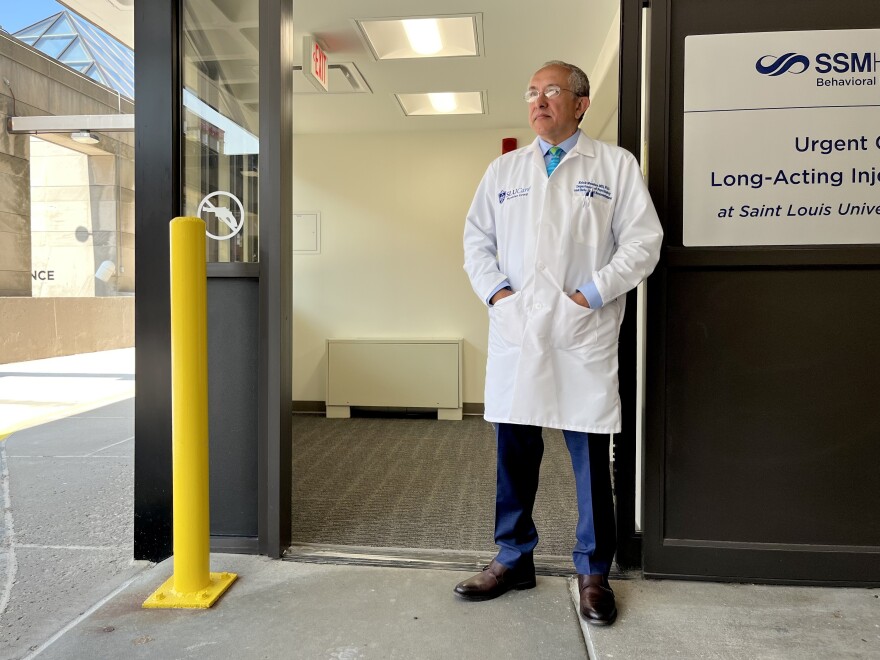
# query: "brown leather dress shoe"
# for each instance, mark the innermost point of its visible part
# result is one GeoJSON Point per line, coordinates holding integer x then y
{"type": "Point", "coordinates": [597, 600]}
{"type": "Point", "coordinates": [494, 580]}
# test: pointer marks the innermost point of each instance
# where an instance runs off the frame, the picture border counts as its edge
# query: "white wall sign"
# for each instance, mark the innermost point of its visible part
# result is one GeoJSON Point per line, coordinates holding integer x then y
{"type": "Point", "coordinates": [782, 138]}
{"type": "Point", "coordinates": [224, 214]}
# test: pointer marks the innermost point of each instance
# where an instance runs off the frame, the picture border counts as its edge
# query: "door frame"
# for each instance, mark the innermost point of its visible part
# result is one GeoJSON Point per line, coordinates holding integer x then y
{"type": "Point", "coordinates": [626, 446]}
{"type": "Point", "coordinates": [158, 195]}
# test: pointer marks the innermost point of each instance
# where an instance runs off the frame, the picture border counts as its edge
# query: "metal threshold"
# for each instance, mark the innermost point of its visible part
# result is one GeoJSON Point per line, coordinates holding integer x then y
{"type": "Point", "coordinates": [439, 559]}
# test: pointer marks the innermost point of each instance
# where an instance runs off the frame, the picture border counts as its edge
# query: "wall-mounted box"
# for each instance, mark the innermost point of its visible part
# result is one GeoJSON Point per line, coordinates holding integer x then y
{"type": "Point", "coordinates": [399, 373]}
{"type": "Point", "coordinates": [306, 233]}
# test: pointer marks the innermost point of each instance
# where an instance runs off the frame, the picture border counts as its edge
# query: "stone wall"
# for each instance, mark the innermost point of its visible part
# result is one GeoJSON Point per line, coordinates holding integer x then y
{"type": "Point", "coordinates": [33, 328]}
{"type": "Point", "coordinates": [42, 86]}
{"type": "Point", "coordinates": [77, 215]}
{"type": "Point", "coordinates": [15, 203]}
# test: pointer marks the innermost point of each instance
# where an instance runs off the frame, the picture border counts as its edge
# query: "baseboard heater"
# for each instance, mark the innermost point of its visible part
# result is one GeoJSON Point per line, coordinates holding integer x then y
{"type": "Point", "coordinates": [394, 373]}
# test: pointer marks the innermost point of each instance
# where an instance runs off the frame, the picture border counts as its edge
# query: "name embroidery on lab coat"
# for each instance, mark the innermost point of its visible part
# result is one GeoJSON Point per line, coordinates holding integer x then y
{"type": "Point", "coordinates": [513, 193]}
{"type": "Point", "coordinates": [593, 189]}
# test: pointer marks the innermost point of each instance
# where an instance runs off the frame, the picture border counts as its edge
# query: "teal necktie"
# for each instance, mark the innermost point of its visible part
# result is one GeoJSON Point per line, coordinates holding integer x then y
{"type": "Point", "coordinates": [556, 155]}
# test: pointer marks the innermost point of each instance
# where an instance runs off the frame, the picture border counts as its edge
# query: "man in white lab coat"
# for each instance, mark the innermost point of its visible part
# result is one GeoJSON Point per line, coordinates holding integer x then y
{"type": "Point", "coordinates": [552, 242]}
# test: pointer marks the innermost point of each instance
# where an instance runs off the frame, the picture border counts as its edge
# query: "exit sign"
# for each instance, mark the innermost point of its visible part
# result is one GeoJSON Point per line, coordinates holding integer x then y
{"type": "Point", "coordinates": [317, 63]}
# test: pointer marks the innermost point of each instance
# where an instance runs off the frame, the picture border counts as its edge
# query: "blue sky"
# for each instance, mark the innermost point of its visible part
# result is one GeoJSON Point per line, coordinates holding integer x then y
{"type": "Point", "coordinates": [16, 14]}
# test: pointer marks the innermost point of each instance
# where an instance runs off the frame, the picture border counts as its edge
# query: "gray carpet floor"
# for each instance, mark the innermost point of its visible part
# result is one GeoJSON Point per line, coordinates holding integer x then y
{"type": "Point", "coordinates": [416, 483]}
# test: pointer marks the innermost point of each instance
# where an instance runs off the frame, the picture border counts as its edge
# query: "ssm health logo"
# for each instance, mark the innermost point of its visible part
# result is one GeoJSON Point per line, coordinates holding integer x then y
{"type": "Point", "coordinates": [823, 63]}
{"type": "Point", "coordinates": [776, 66]}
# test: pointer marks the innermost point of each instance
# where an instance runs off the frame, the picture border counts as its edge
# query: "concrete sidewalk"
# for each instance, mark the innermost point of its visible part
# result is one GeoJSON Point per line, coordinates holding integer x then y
{"type": "Point", "coordinates": [66, 460]}
{"type": "Point", "coordinates": [40, 391]}
{"type": "Point", "coordinates": [674, 619]}
{"type": "Point", "coordinates": [282, 609]}
{"type": "Point", "coordinates": [68, 587]}
{"type": "Point", "coordinates": [279, 609]}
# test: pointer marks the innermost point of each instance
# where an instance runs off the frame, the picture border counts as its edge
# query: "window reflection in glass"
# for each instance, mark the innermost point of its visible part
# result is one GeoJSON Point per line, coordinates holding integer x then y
{"type": "Point", "coordinates": [220, 118]}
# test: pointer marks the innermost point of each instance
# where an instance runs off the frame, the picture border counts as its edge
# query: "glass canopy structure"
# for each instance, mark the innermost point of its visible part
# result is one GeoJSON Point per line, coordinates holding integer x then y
{"type": "Point", "coordinates": [80, 45]}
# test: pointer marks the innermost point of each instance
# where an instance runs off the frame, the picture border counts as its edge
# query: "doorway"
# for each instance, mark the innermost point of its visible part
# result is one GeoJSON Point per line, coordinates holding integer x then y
{"type": "Point", "coordinates": [382, 196]}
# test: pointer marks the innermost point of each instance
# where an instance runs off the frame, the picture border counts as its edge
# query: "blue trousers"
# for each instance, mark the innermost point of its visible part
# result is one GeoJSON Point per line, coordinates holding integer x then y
{"type": "Point", "coordinates": [520, 449]}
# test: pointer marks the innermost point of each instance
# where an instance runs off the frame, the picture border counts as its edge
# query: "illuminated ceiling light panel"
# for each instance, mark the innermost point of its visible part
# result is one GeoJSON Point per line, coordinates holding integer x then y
{"type": "Point", "coordinates": [423, 35]}
{"type": "Point", "coordinates": [442, 103]}
{"type": "Point", "coordinates": [432, 36]}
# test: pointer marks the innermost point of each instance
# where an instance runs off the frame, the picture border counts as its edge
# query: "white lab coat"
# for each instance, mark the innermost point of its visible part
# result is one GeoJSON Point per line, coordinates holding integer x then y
{"type": "Point", "coordinates": [551, 362]}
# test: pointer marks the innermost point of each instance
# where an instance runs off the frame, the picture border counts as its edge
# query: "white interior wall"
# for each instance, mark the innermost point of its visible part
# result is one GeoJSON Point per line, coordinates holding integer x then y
{"type": "Point", "coordinates": [392, 214]}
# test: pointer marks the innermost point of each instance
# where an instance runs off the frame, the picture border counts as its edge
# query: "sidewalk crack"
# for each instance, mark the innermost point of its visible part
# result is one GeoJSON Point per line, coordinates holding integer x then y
{"type": "Point", "coordinates": [8, 533]}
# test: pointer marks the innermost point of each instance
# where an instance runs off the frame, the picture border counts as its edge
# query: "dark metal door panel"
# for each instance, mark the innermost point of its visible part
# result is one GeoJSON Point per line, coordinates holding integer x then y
{"type": "Point", "coordinates": [233, 334]}
{"type": "Point", "coordinates": [762, 427]}
{"type": "Point", "coordinates": [767, 427]}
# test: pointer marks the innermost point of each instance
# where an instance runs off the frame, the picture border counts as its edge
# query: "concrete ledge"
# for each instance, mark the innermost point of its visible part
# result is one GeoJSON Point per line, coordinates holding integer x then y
{"type": "Point", "coordinates": [31, 73]}
{"type": "Point", "coordinates": [36, 328]}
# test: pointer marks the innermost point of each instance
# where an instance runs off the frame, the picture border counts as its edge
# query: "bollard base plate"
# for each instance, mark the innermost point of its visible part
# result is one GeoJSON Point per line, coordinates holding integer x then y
{"type": "Point", "coordinates": [165, 597]}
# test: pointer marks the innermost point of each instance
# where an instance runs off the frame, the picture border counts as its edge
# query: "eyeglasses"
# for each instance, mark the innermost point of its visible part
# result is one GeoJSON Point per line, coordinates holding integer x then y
{"type": "Point", "coordinates": [550, 92]}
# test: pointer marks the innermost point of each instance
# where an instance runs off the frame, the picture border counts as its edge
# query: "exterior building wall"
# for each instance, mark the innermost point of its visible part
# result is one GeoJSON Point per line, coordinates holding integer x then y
{"type": "Point", "coordinates": [34, 328]}
{"type": "Point", "coordinates": [78, 207]}
{"type": "Point", "coordinates": [61, 209]}
{"type": "Point", "coordinates": [38, 235]}
{"type": "Point", "coordinates": [15, 201]}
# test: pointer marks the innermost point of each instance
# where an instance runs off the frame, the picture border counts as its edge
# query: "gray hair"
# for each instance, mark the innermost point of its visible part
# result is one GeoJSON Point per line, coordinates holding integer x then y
{"type": "Point", "coordinates": [577, 79]}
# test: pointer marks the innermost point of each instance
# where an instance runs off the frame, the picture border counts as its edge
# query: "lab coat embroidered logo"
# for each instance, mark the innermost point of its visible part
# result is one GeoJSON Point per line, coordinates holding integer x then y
{"type": "Point", "coordinates": [593, 189]}
{"type": "Point", "coordinates": [513, 193]}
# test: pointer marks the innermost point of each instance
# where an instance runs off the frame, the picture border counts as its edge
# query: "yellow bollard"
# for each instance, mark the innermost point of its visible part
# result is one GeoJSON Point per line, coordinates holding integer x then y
{"type": "Point", "coordinates": [192, 585]}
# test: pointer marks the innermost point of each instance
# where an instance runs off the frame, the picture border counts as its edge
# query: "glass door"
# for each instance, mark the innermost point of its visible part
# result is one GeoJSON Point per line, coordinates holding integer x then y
{"type": "Point", "coordinates": [220, 78]}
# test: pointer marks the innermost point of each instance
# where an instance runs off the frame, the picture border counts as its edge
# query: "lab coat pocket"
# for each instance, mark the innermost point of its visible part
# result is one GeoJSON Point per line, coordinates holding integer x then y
{"type": "Point", "coordinates": [506, 322]}
{"type": "Point", "coordinates": [574, 327]}
{"type": "Point", "coordinates": [590, 217]}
